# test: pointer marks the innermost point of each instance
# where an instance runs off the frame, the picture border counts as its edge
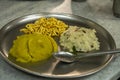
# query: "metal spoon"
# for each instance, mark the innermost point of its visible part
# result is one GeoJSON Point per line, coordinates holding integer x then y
{"type": "Point", "coordinates": [70, 57]}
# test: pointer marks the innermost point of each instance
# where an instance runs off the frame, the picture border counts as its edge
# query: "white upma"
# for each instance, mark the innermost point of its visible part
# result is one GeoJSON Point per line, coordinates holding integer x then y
{"type": "Point", "coordinates": [79, 39]}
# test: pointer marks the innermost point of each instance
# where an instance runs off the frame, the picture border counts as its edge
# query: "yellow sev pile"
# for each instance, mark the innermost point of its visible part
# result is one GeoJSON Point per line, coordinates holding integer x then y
{"type": "Point", "coordinates": [46, 26]}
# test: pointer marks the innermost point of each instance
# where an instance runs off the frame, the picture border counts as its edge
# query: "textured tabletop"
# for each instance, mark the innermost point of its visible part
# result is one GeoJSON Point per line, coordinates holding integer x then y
{"type": "Point", "coordinates": [11, 9]}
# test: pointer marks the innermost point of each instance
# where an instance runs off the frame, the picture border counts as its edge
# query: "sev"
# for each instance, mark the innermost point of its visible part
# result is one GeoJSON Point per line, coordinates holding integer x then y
{"type": "Point", "coordinates": [46, 26]}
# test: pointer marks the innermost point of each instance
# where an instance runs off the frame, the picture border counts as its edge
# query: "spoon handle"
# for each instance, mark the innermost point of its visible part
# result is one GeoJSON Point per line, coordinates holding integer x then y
{"type": "Point", "coordinates": [81, 55]}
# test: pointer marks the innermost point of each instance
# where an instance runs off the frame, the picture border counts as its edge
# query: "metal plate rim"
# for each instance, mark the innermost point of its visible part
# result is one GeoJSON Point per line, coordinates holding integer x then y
{"type": "Point", "coordinates": [45, 14]}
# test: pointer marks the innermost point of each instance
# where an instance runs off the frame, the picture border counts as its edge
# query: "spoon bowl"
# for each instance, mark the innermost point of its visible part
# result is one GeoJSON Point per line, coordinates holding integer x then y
{"type": "Point", "coordinates": [64, 56]}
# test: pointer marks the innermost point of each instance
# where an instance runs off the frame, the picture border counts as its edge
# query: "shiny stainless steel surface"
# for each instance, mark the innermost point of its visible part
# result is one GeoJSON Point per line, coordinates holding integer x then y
{"type": "Point", "coordinates": [69, 57]}
{"type": "Point", "coordinates": [54, 68]}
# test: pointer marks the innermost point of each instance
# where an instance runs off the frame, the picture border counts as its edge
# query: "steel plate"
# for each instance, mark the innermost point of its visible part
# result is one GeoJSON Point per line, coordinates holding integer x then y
{"type": "Point", "coordinates": [53, 68]}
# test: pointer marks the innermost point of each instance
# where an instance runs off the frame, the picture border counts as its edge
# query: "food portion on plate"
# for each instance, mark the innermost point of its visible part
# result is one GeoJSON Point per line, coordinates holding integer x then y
{"type": "Point", "coordinates": [46, 26]}
{"type": "Point", "coordinates": [79, 39]}
{"type": "Point", "coordinates": [38, 42]}
{"type": "Point", "coordinates": [33, 47]}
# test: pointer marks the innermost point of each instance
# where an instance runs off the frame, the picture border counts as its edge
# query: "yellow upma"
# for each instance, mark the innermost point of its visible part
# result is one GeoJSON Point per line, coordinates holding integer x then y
{"type": "Point", "coordinates": [33, 47]}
